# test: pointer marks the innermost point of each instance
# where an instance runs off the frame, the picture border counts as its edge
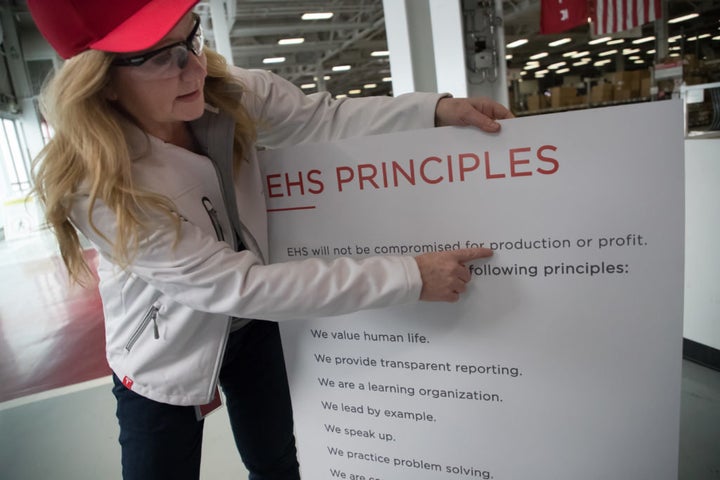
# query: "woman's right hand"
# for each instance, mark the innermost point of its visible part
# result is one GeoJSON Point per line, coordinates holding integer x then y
{"type": "Point", "coordinates": [444, 274]}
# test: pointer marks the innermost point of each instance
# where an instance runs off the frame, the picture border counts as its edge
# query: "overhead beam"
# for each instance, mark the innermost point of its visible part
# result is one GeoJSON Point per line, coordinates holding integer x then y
{"type": "Point", "coordinates": [247, 50]}
{"type": "Point", "coordinates": [377, 25]}
{"type": "Point", "coordinates": [240, 30]}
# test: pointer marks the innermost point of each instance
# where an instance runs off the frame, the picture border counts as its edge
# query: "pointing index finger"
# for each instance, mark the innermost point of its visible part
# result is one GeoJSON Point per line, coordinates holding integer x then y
{"type": "Point", "coordinates": [466, 254]}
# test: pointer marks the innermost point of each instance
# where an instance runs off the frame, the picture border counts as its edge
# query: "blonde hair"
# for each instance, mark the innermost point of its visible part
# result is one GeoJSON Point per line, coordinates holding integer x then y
{"type": "Point", "coordinates": [89, 150]}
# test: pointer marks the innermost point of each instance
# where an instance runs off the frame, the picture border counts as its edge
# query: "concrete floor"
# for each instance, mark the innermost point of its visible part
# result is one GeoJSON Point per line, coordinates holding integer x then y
{"type": "Point", "coordinates": [700, 423]}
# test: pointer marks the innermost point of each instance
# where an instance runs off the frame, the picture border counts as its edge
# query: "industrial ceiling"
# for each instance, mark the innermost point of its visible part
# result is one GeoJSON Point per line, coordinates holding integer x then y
{"type": "Point", "coordinates": [357, 29]}
{"type": "Point", "coordinates": [355, 36]}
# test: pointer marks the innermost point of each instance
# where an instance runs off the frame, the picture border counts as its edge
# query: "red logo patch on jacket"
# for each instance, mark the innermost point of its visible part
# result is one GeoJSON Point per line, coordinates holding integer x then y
{"type": "Point", "coordinates": [127, 381]}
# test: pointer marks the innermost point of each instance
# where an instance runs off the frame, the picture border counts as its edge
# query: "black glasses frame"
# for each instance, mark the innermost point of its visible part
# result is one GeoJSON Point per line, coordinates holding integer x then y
{"type": "Point", "coordinates": [138, 60]}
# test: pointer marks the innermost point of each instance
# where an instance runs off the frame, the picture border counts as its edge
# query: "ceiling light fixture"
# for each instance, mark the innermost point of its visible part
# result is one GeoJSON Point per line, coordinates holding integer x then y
{"type": "Point", "coordinates": [517, 43]}
{"type": "Point", "coordinates": [291, 41]}
{"type": "Point", "coordinates": [581, 54]}
{"type": "Point", "coordinates": [380, 53]}
{"type": "Point", "coordinates": [387, 79]}
{"type": "Point", "coordinates": [355, 91]}
{"type": "Point", "coordinates": [274, 60]}
{"type": "Point", "coordinates": [368, 86]}
{"type": "Point", "coordinates": [684, 18]}
{"type": "Point", "coordinates": [557, 65]}
{"type": "Point", "coordinates": [317, 16]}
{"type": "Point", "coordinates": [341, 68]}
{"type": "Point", "coordinates": [606, 53]}
{"type": "Point", "coordinates": [562, 41]}
{"type": "Point", "coordinates": [599, 40]}
{"type": "Point", "coordinates": [643, 40]}
{"type": "Point", "coordinates": [616, 41]}
{"type": "Point", "coordinates": [305, 86]}
{"type": "Point", "coordinates": [562, 70]}
{"type": "Point", "coordinates": [539, 55]}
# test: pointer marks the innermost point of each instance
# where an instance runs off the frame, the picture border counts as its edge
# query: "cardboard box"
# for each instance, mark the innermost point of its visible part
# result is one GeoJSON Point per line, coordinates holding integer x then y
{"type": "Point", "coordinates": [621, 78]}
{"type": "Point", "coordinates": [562, 97]}
{"type": "Point", "coordinates": [645, 87]}
{"type": "Point", "coordinates": [536, 101]}
{"type": "Point", "coordinates": [601, 93]}
{"type": "Point", "coordinates": [621, 94]}
{"type": "Point", "coordinates": [628, 81]}
{"type": "Point", "coordinates": [691, 62]}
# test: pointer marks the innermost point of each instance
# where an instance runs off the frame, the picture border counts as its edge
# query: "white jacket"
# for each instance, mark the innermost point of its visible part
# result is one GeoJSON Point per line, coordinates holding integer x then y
{"type": "Point", "coordinates": [168, 314]}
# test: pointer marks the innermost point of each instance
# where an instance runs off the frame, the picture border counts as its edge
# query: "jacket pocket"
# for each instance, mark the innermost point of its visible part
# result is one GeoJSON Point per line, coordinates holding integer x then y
{"type": "Point", "coordinates": [150, 317]}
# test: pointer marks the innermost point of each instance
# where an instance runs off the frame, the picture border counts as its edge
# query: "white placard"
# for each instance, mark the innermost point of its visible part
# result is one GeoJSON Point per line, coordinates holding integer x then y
{"type": "Point", "coordinates": [562, 361]}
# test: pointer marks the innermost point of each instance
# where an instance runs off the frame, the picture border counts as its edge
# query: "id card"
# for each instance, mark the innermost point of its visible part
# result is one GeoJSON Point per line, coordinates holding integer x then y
{"type": "Point", "coordinates": [202, 411]}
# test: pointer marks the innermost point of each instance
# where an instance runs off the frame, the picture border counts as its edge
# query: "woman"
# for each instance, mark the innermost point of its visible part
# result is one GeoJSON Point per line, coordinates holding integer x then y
{"type": "Point", "coordinates": [153, 160]}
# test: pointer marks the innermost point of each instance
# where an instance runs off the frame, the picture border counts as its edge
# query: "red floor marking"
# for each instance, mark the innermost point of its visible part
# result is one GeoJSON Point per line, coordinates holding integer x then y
{"type": "Point", "coordinates": [51, 333]}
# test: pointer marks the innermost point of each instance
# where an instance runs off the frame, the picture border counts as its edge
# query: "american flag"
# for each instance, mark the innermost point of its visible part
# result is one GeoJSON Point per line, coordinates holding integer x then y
{"type": "Point", "coordinates": [610, 16]}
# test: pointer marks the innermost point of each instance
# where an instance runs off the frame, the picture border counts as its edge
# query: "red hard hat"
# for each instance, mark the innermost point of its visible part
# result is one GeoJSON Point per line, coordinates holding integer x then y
{"type": "Point", "coordinates": [73, 26]}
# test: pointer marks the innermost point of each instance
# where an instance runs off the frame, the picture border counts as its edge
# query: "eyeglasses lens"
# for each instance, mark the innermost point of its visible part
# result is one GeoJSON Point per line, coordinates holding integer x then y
{"type": "Point", "coordinates": [169, 61]}
{"type": "Point", "coordinates": [197, 42]}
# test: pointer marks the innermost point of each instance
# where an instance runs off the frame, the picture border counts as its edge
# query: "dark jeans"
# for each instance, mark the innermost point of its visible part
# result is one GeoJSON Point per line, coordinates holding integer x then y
{"type": "Point", "coordinates": [161, 441]}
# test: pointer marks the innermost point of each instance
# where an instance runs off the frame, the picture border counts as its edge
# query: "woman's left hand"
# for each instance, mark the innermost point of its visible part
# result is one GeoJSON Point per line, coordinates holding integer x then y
{"type": "Point", "coordinates": [480, 112]}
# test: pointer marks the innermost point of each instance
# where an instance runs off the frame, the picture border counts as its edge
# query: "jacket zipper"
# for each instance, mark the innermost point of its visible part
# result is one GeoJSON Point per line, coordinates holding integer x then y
{"type": "Point", "coordinates": [212, 213]}
{"type": "Point", "coordinates": [234, 241]}
{"type": "Point", "coordinates": [150, 316]}
{"type": "Point", "coordinates": [219, 359]}
{"type": "Point", "coordinates": [247, 238]}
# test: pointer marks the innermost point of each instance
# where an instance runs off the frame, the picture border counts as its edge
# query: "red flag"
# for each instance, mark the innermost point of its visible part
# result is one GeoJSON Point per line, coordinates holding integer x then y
{"type": "Point", "coordinates": [559, 15]}
{"type": "Point", "coordinates": [610, 16]}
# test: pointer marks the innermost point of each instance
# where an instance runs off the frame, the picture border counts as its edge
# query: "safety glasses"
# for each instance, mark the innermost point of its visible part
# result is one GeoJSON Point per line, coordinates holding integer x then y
{"type": "Point", "coordinates": [168, 61]}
